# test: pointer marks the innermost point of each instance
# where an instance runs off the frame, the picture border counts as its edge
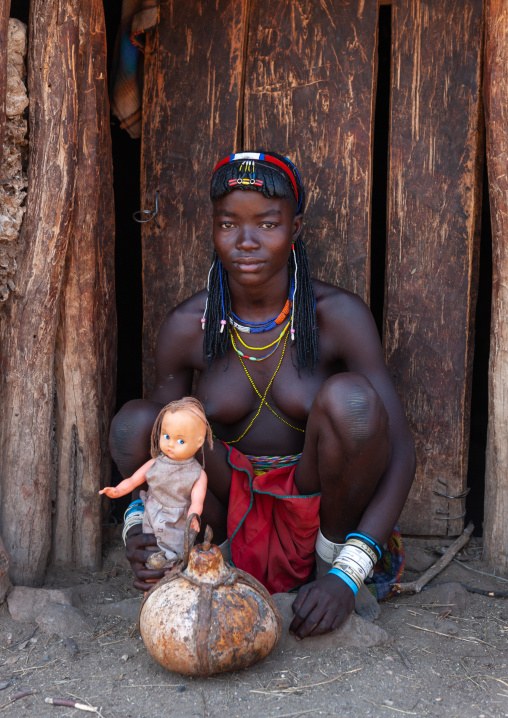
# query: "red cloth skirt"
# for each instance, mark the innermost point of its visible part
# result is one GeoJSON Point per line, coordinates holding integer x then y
{"type": "Point", "coordinates": [271, 527]}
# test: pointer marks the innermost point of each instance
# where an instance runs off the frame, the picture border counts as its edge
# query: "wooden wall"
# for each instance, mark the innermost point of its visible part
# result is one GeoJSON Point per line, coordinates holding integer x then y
{"type": "Point", "coordinates": [496, 113]}
{"type": "Point", "coordinates": [58, 328]}
{"type": "Point", "coordinates": [300, 77]}
{"type": "Point", "coordinates": [432, 244]}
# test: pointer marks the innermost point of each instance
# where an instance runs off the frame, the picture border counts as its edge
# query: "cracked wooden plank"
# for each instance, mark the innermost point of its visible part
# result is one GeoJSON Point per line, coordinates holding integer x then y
{"type": "Point", "coordinates": [496, 115]}
{"type": "Point", "coordinates": [192, 107]}
{"type": "Point", "coordinates": [432, 244]}
{"type": "Point", "coordinates": [27, 354]}
{"type": "Point", "coordinates": [311, 75]}
{"type": "Point", "coordinates": [85, 359]}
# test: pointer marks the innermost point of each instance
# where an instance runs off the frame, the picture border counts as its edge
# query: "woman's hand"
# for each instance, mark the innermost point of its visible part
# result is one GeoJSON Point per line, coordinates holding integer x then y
{"type": "Point", "coordinates": [139, 547]}
{"type": "Point", "coordinates": [321, 606]}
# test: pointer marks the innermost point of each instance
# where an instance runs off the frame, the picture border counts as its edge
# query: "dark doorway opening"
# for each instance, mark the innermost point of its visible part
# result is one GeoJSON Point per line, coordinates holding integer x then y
{"type": "Point", "coordinates": [380, 168]}
{"type": "Point", "coordinates": [479, 395]}
{"type": "Point", "coordinates": [128, 256]}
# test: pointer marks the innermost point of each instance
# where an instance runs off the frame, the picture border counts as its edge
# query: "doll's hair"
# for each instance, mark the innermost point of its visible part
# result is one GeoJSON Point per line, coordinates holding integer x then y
{"type": "Point", "coordinates": [190, 404]}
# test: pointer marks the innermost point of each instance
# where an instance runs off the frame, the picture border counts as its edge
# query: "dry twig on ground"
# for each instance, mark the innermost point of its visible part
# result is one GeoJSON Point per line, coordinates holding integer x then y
{"type": "Point", "coordinates": [451, 551]}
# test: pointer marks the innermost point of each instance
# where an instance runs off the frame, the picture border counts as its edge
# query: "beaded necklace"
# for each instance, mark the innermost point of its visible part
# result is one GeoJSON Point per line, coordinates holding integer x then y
{"type": "Point", "coordinates": [259, 327]}
{"type": "Point", "coordinates": [261, 348]}
{"type": "Point", "coordinates": [263, 397]}
{"type": "Point", "coordinates": [246, 356]}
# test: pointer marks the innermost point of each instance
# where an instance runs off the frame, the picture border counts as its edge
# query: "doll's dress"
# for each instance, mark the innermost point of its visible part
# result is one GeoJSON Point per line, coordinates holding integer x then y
{"type": "Point", "coordinates": [167, 501]}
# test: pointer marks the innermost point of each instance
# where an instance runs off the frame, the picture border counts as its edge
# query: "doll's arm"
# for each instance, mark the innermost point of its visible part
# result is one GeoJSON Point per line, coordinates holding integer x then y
{"type": "Point", "coordinates": [127, 485]}
{"type": "Point", "coordinates": [198, 494]}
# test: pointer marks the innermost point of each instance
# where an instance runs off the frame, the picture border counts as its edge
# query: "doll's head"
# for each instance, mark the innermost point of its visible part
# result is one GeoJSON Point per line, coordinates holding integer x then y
{"type": "Point", "coordinates": [180, 430]}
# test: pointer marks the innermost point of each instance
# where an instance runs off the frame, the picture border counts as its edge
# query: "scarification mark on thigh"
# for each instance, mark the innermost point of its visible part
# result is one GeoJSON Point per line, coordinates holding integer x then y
{"type": "Point", "coordinates": [359, 413]}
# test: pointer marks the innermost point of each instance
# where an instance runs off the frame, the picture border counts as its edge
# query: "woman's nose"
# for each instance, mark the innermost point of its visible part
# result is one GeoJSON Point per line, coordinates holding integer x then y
{"type": "Point", "coordinates": [247, 238]}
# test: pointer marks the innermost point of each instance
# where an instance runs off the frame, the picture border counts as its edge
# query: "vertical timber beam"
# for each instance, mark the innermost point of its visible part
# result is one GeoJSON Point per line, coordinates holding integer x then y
{"type": "Point", "coordinates": [495, 536]}
{"type": "Point", "coordinates": [28, 326]}
{"type": "Point", "coordinates": [310, 91]}
{"type": "Point", "coordinates": [86, 339]}
{"type": "Point", "coordinates": [192, 106]}
{"type": "Point", "coordinates": [432, 246]}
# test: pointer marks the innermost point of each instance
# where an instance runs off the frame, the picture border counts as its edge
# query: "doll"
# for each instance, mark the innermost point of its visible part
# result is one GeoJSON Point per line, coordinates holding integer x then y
{"type": "Point", "coordinates": [176, 480]}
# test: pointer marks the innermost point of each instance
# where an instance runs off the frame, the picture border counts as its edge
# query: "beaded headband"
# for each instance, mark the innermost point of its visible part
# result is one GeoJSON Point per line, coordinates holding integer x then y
{"type": "Point", "coordinates": [261, 157]}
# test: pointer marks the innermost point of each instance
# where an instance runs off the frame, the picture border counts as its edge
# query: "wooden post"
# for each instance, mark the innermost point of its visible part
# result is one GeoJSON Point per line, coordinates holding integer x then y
{"type": "Point", "coordinates": [191, 113]}
{"type": "Point", "coordinates": [495, 535]}
{"type": "Point", "coordinates": [4, 28]}
{"type": "Point", "coordinates": [29, 322]}
{"type": "Point", "coordinates": [310, 89]}
{"type": "Point", "coordinates": [432, 247]}
{"type": "Point", "coordinates": [86, 338]}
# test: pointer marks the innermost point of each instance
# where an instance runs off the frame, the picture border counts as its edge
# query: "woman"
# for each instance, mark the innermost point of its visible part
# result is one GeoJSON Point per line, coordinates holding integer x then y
{"type": "Point", "coordinates": [291, 374]}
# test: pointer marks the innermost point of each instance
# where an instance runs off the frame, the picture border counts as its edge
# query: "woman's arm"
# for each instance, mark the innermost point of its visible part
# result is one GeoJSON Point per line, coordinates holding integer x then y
{"type": "Point", "coordinates": [349, 333]}
{"type": "Point", "coordinates": [362, 352]}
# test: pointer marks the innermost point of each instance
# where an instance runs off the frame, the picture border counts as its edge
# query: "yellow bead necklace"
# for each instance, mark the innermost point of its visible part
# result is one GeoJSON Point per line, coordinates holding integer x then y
{"type": "Point", "coordinates": [268, 345]}
{"type": "Point", "coordinates": [263, 397]}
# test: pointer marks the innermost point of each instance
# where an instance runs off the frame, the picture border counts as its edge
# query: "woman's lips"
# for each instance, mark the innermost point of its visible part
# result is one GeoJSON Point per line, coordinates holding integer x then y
{"type": "Point", "coordinates": [247, 264]}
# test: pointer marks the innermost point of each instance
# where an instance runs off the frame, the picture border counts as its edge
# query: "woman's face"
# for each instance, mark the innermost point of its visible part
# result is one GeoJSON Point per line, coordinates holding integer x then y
{"type": "Point", "coordinates": [253, 235]}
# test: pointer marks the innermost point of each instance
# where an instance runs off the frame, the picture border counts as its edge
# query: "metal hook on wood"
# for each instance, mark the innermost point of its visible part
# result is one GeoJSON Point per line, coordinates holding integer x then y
{"type": "Point", "coordinates": [146, 215]}
{"type": "Point", "coordinates": [451, 496]}
{"type": "Point", "coordinates": [449, 518]}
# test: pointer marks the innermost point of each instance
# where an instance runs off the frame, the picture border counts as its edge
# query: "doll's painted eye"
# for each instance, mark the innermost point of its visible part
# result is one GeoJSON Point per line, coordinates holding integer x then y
{"type": "Point", "coordinates": [165, 436]}
{"type": "Point", "coordinates": [181, 441]}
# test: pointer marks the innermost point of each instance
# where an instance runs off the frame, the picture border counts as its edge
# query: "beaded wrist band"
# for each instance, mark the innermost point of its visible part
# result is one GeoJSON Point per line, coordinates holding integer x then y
{"type": "Point", "coordinates": [342, 575]}
{"type": "Point", "coordinates": [132, 517]}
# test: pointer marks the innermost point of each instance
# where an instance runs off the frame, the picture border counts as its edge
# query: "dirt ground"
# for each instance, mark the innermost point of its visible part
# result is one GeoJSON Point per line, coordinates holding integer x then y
{"type": "Point", "coordinates": [438, 665]}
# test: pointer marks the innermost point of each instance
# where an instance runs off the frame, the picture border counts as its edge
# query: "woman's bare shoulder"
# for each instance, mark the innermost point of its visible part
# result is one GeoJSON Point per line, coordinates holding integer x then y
{"type": "Point", "coordinates": [336, 303]}
{"type": "Point", "coordinates": [183, 322]}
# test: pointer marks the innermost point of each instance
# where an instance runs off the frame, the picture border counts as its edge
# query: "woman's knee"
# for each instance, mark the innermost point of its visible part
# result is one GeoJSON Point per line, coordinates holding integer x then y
{"type": "Point", "coordinates": [354, 409]}
{"type": "Point", "coordinates": [129, 436]}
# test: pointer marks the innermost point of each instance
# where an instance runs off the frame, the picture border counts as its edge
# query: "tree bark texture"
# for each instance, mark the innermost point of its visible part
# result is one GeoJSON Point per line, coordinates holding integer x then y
{"type": "Point", "coordinates": [27, 360]}
{"type": "Point", "coordinates": [13, 178]}
{"type": "Point", "coordinates": [432, 244]}
{"type": "Point", "coordinates": [495, 539]}
{"type": "Point", "coordinates": [191, 111]}
{"type": "Point", "coordinates": [4, 29]}
{"type": "Point", "coordinates": [309, 94]}
{"type": "Point", "coordinates": [86, 338]}
{"type": "Point", "coordinates": [53, 434]}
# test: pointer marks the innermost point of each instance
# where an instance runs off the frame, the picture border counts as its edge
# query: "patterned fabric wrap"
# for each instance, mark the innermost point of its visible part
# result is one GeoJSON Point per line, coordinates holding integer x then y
{"type": "Point", "coordinates": [138, 16]}
{"type": "Point", "coordinates": [389, 569]}
{"type": "Point", "coordinates": [271, 526]}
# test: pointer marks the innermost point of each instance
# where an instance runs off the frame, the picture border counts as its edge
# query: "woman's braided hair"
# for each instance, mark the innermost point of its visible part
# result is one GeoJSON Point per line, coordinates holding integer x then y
{"type": "Point", "coordinates": [275, 183]}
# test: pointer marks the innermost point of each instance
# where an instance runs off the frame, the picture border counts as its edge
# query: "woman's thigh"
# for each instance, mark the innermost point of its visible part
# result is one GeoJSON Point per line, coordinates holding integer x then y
{"type": "Point", "coordinates": [347, 449]}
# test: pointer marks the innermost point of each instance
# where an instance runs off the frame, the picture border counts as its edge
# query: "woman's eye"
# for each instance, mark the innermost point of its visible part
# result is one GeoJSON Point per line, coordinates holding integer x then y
{"type": "Point", "coordinates": [226, 225]}
{"type": "Point", "coordinates": [268, 225]}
